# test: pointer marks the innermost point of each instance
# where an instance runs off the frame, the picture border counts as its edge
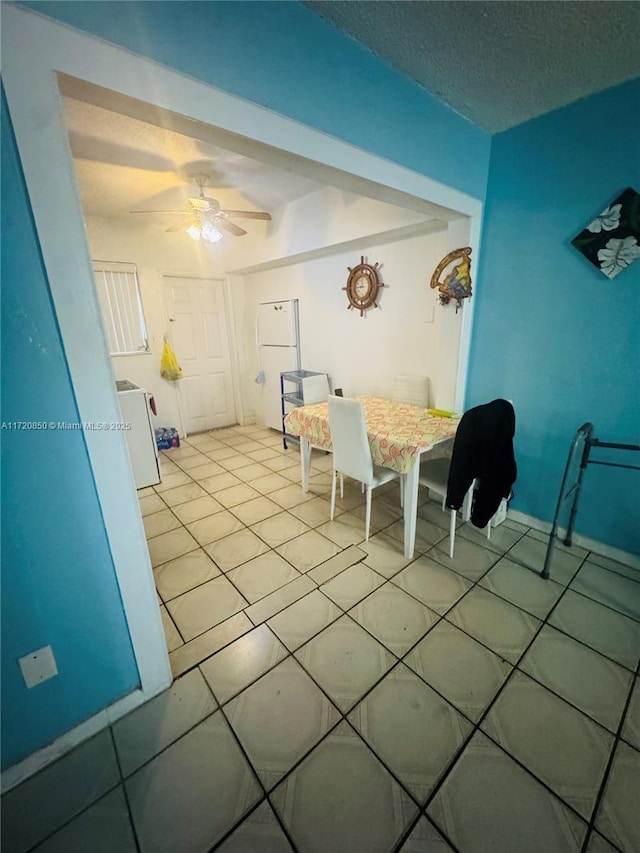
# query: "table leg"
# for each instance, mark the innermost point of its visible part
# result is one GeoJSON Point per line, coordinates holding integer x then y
{"type": "Point", "coordinates": [305, 463]}
{"type": "Point", "coordinates": [411, 508]}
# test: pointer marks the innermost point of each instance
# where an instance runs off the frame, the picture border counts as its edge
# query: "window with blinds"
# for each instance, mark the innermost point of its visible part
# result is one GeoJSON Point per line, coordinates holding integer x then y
{"type": "Point", "coordinates": [121, 306]}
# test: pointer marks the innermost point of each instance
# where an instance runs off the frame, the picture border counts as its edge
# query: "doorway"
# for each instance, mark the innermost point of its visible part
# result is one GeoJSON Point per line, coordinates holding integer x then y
{"type": "Point", "coordinates": [29, 79]}
{"type": "Point", "coordinates": [198, 328]}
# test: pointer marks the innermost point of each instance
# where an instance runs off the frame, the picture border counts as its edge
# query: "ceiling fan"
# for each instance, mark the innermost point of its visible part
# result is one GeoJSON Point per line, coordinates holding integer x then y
{"type": "Point", "coordinates": [205, 220]}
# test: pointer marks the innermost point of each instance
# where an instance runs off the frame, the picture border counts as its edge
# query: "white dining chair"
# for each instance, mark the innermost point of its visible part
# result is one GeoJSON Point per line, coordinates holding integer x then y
{"type": "Point", "coordinates": [315, 389]}
{"type": "Point", "coordinates": [434, 475]}
{"type": "Point", "coordinates": [411, 389]}
{"type": "Point", "coordinates": [352, 454]}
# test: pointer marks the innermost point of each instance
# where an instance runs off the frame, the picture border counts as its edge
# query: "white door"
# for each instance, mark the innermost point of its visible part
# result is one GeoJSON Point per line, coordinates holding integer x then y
{"type": "Point", "coordinates": [198, 327]}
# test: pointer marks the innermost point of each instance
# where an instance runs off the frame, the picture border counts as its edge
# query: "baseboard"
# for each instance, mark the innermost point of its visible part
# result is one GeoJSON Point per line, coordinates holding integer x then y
{"type": "Point", "coordinates": [39, 759]}
{"type": "Point", "coordinates": [601, 548]}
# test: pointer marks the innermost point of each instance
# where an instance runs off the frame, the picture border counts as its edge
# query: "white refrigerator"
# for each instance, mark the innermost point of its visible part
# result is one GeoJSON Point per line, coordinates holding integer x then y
{"type": "Point", "coordinates": [135, 407]}
{"type": "Point", "coordinates": [278, 343]}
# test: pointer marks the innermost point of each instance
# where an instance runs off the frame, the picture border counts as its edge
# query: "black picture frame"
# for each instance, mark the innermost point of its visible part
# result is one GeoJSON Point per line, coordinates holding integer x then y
{"type": "Point", "coordinates": [611, 240]}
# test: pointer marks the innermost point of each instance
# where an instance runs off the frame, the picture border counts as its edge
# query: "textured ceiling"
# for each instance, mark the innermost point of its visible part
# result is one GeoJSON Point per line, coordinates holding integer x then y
{"type": "Point", "coordinates": [124, 164]}
{"type": "Point", "coordinates": [499, 63]}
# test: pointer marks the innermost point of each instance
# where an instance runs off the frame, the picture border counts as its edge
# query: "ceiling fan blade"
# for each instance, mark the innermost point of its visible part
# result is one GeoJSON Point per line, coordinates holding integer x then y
{"type": "Point", "coordinates": [248, 214]}
{"type": "Point", "coordinates": [231, 227]}
{"type": "Point", "coordinates": [182, 226]}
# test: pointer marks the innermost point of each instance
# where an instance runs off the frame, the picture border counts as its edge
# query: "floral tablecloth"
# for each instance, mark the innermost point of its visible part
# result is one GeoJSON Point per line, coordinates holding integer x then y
{"type": "Point", "coordinates": [397, 432]}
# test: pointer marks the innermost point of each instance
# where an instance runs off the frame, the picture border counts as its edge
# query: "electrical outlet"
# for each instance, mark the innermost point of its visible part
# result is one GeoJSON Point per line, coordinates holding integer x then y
{"type": "Point", "coordinates": [38, 666]}
{"type": "Point", "coordinates": [430, 315]}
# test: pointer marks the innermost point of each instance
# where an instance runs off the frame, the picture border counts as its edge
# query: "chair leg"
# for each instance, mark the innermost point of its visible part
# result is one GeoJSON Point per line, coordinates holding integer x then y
{"type": "Point", "coordinates": [333, 493]}
{"type": "Point", "coordinates": [489, 531]}
{"type": "Point", "coordinates": [401, 481]}
{"type": "Point", "coordinates": [341, 485]}
{"type": "Point", "coordinates": [368, 515]}
{"type": "Point", "coordinates": [466, 504]}
{"type": "Point", "coordinates": [452, 532]}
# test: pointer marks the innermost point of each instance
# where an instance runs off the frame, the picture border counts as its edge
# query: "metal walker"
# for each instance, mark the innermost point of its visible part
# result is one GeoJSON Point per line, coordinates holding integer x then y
{"type": "Point", "coordinates": [583, 438]}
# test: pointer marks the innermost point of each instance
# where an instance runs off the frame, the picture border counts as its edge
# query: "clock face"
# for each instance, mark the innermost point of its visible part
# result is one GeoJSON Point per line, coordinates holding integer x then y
{"type": "Point", "coordinates": [362, 286]}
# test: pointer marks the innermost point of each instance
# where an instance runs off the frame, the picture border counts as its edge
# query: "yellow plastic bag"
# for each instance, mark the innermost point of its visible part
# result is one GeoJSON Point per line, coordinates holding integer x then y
{"type": "Point", "coordinates": [169, 367]}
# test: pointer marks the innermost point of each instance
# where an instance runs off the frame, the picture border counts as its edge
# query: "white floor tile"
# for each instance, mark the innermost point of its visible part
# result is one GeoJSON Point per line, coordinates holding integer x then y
{"type": "Point", "coordinates": [197, 509]}
{"type": "Point", "coordinates": [531, 552]}
{"type": "Point", "coordinates": [603, 629]}
{"type": "Point", "coordinates": [183, 493]}
{"type": "Point", "coordinates": [345, 661]}
{"type": "Point", "coordinates": [276, 601]}
{"type": "Point", "coordinates": [425, 838]}
{"type": "Point", "coordinates": [432, 584]}
{"type": "Point", "coordinates": [170, 545]}
{"type": "Point", "coordinates": [488, 803]}
{"type": "Point", "coordinates": [385, 554]}
{"type": "Point", "coordinates": [243, 661]}
{"type": "Point", "coordinates": [262, 575]}
{"type": "Point", "coordinates": [171, 634]}
{"type": "Point", "coordinates": [308, 551]}
{"type": "Point", "coordinates": [279, 528]}
{"type": "Point", "coordinates": [522, 587]}
{"type": "Point", "coordinates": [299, 716]}
{"type": "Point", "coordinates": [184, 573]}
{"type": "Point", "coordinates": [103, 828]}
{"type": "Point", "coordinates": [170, 814]}
{"type": "Point", "coordinates": [617, 816]}
{"type": "Point", "coordinates": [609, 588]}
{"type": "Point", "coordinates": [256, 510]}
{"type": "Point", "coordinates": [207, 644]}
{"type": "Point", "coordinates": [145, 732]}
{"type": "Point", "coordinates": [43, 803]}
{"type": "Point", "coordinates": [394, 618]}
{"type": "Point", "coordinates": [352, 585]}
{"type": "Point", "coordinates": [565, 749]}
{"type": "Point", "coordinates": [238, 548]}
{"type": "Point", "coordinates": [412, 729]}
{"type": "Point", "coordinates": [259, 833]}
{"type": "Point", "coordinates": [469, 559]}
{"type": "Point", "coordinates": [304, 619]}
{"type": "Point", "coordinates": [586, 679]}
{"type": "Point", "coordinates": [205, 606]}
{"type": "Point", "coordinates": [151, 503]}
{"type": "Point", "coordinates": [631, 727]}
{"type": "Point", "coordinates": [466, 673]}
{"type": "Point", "coordinates": [341, 798]}
{"type": "Point", "coordinates": [505, 629]}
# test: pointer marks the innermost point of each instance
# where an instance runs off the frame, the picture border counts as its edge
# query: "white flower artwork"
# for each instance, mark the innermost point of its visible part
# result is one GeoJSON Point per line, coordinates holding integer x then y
{"type": "Point", "coordinates": [610, 241]}
{"type": "Point", "coordinates": [617, 255]}
{"type": "Point", "coordinates": [608, 220]}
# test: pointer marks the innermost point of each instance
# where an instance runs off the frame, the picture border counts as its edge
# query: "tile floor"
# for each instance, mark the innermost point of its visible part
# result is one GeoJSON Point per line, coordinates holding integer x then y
{"type": "Point", "coordinates": [332, 696]}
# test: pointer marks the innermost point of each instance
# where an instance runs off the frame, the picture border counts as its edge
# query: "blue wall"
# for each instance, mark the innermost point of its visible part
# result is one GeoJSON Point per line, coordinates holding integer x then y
{"type": "Point", "coordinates": [58, 582]}
{"type": "Point", "coordinates": [551, 331]}
{"type": "Point", "coordinates": [283, 56]}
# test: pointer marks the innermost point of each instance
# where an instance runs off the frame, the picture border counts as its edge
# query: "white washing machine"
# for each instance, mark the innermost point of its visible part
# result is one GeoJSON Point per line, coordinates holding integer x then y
{"type": "Point", "coordinates": [135, 407]}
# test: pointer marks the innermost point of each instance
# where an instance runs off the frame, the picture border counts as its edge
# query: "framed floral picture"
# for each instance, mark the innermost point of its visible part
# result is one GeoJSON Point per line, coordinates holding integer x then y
{"type": "Point", "coordinates": [611, 240]}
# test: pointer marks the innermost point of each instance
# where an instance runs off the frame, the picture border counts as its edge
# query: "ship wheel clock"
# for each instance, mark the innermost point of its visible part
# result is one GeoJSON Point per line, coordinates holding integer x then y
{"type": "Point", "coordinates": [362, 286]}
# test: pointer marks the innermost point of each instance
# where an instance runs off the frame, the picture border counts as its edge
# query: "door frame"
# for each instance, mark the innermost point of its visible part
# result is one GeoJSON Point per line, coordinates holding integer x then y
{"type": "Point", "coordinates": [231, 338]}
{"type": "Point", "coordinates": [35, 106]}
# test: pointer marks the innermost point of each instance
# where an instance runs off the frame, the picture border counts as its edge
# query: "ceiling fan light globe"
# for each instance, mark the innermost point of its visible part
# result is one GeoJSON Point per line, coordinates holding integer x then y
{"type": "Point", "coordinates": [210, 233]}
{"type": "Point", "coordinates": [194, 232]}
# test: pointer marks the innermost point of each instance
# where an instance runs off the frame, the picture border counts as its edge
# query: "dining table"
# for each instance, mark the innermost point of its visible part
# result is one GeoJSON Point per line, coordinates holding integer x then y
{"type": "Point", "coordinates": [399, 434]}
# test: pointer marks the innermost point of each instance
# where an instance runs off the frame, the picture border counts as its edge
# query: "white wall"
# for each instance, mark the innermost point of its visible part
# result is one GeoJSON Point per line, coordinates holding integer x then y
{"type": "Point", "coordinates": [154, 253]}
{"type": "Point", "coordinates": [308, 249]}
{"type": "Point", "coordinates": [327, 217]}
{"type": "Point", "coordinates": [408, 333]}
